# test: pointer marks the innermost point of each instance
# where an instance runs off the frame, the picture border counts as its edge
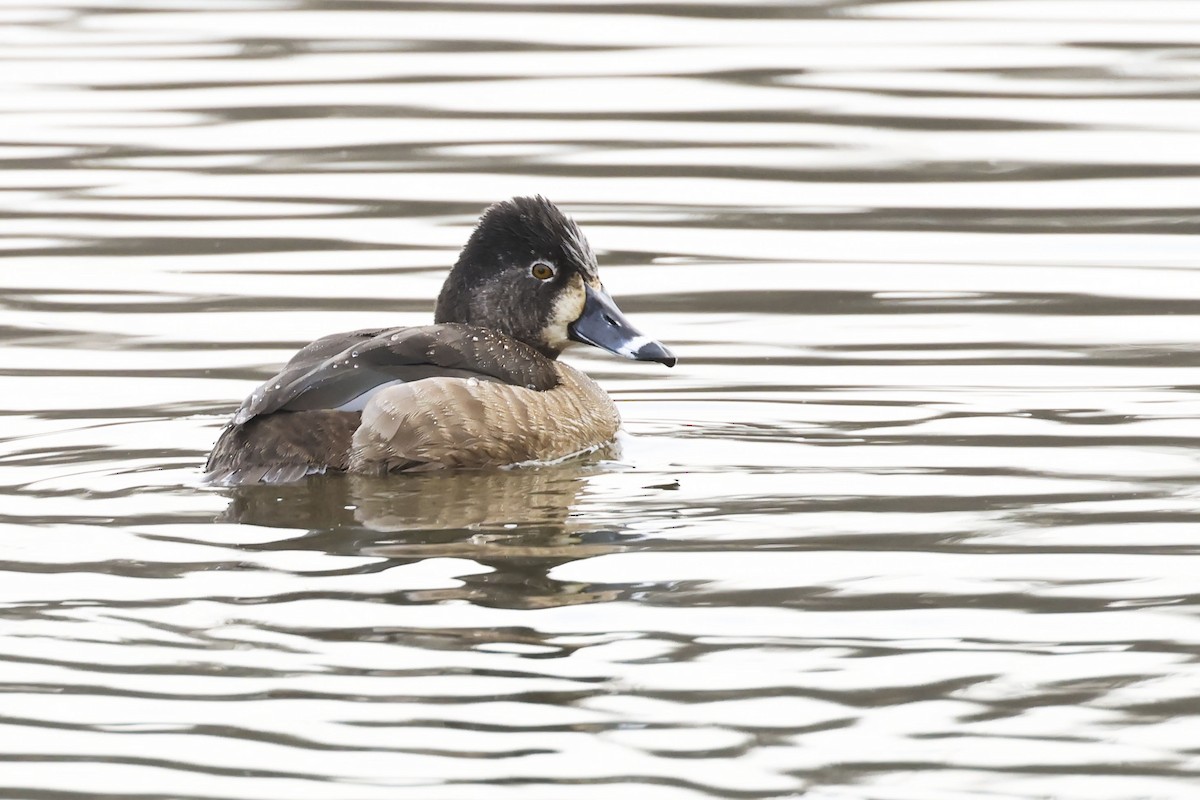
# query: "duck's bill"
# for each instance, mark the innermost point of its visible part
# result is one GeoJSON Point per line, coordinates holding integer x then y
{"type": "Point", "coordinates": [603, 325]}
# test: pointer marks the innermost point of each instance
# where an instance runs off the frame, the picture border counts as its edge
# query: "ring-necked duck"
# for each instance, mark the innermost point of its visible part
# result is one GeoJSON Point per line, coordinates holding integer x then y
{"type": "Point", "coordinates": [480, 387]}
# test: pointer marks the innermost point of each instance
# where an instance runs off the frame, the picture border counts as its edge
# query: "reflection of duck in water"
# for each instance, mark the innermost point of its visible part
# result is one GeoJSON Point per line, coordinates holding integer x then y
{"type": "Point", "coordinates": [482, 387]}
{"type": "Point", "coordinates": [479, 500]}
{"type": "Point", "coordinates": [519, 524]}
{"type": "Point", "coordinates": [467, 501]}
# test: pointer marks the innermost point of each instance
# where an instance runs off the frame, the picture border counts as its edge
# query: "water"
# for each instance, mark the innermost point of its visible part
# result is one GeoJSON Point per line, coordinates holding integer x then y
{"type": "Point", "coordinates": [913, 519]}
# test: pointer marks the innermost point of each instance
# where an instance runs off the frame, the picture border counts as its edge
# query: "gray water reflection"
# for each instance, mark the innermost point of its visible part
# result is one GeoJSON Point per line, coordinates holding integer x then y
{"type": "Point", "coordinates": [914, 517]}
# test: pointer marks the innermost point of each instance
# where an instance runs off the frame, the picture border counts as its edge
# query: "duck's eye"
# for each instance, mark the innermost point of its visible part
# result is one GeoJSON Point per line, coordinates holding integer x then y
{"type": "Point", "coordinates": [542, 271]}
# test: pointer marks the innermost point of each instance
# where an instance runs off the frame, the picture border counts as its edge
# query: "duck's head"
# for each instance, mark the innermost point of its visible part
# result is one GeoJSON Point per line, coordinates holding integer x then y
{"type": "Point", "coordinates": [528, 272]}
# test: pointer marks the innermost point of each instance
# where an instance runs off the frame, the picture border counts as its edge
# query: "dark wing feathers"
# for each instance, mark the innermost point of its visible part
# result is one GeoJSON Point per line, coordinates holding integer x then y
{"type": "Point", "coordinates": [263, 400]}
{"type": "Point", "coordinates": [278, 448]}
{"type": "Point", "coordinates": [260, 444]}
{"type": "Point", "coordinates": [336, 369]}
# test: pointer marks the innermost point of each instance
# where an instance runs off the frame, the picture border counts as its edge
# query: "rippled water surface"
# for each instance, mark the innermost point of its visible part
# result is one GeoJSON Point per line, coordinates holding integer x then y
{"type": "Point", "coordinates": [915, 517]}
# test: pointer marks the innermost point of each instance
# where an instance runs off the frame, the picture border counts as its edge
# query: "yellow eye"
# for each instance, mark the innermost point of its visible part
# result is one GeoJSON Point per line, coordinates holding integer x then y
{"type": "Point", "coordinates": [542, 271]}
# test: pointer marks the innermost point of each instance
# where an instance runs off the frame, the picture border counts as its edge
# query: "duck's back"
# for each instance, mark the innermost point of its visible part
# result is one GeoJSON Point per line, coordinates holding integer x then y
{"type": "Point", "coordinates": [403, 398]}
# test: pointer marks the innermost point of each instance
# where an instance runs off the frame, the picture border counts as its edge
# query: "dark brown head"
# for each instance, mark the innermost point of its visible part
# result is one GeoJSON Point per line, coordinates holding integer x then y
{"type": "Point", "coordinates": [527, 271]}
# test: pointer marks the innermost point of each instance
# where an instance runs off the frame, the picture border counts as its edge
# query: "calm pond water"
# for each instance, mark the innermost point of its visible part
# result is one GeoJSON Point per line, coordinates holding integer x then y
{"type": "Point", "coordinates": [915, 517]}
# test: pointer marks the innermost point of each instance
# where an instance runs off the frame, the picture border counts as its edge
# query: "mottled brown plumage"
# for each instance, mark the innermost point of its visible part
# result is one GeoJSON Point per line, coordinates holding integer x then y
{"type": "Point", "coordinates": [457, 422]}
{"type": "Point", "coordinates": [289, 428]}
{"type": "Point", "coordinates": [480, 388]}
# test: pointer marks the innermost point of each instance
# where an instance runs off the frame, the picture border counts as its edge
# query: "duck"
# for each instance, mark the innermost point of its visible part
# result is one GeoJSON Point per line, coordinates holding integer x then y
{"type": "Point", "coordinates": [481, 387]}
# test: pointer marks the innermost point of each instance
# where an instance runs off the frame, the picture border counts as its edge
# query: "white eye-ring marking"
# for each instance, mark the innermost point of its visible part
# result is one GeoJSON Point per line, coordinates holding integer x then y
{"type": "Point", "coordinates": [542, 270]}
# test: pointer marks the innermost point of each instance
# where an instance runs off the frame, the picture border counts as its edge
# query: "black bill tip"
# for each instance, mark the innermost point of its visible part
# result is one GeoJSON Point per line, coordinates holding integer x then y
{"type": "Point", "coordinates": [654, 351]}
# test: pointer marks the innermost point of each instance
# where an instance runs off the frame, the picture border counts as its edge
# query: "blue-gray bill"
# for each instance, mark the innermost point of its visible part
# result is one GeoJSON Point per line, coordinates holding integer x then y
{"type": "Point", "coordinates": [603, 325]}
